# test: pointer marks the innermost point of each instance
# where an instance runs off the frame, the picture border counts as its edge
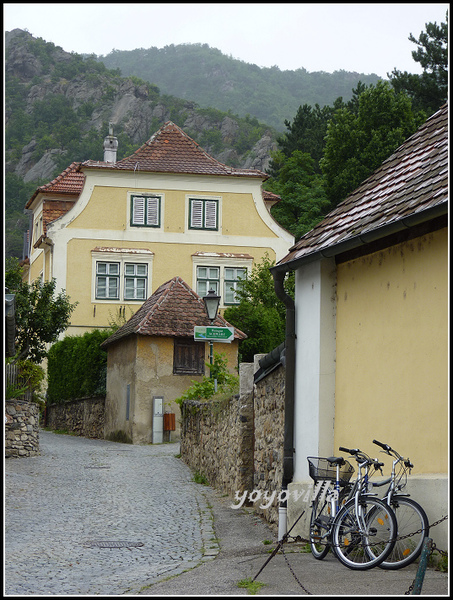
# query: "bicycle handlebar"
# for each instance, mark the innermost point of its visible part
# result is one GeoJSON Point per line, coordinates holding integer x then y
{"type": "Point", "coordinates": [385, 447]}
{"type": "Point", "coordinates": [362, 456]}
{"type": "Point", "coordinates": [391, 451]}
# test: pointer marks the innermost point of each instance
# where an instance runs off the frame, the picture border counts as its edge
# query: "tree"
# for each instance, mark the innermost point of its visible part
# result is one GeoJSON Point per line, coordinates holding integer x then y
{"type": "Point", "coordinates": [429, 90]}
{"type": "Point", "coordinates": [259, 313]}
{"type": "Point", "coordinates": [40, 315]}
{"type": "Point", "coordinates": [303, 200]}
{"type": "Point", "coordinates": [306, 133]}
{"type": "Point", "coordinates": [358, 142]}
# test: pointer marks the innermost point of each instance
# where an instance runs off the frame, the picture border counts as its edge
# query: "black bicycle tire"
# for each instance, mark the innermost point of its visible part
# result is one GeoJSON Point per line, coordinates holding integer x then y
{"type": "Point", "coordinates": [326, 547]}
{"type": "Point", "coordinates": [345, 512]}
{"type": "Point", "coordinates": [390, 564]}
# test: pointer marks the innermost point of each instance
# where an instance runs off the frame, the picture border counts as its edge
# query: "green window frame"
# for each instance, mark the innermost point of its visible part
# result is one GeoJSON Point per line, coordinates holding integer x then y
{"type": "Point", "coordinates": [203, 214]}
{"type": "Point", "coordinates": [107, 280]}
{"type": "Point", "coordinates": [145, 211]}
{"type": "Point", "coordinates": [135, 281]}
{"type": "Point", "coordinates": [233, 278]}
{"type": "Point", "coordinates": [208, 278]}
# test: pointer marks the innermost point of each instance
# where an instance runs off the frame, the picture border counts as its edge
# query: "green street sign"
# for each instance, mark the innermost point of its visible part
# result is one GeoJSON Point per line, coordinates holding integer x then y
{"type": "Point", "coordinates": [213, 334]}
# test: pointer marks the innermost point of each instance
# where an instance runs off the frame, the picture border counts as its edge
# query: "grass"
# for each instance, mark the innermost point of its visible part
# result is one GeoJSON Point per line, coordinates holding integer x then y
{"type": "Point", "coordinates": [200, 478]}
{"type": "Point", "coordinates": [253, 587]}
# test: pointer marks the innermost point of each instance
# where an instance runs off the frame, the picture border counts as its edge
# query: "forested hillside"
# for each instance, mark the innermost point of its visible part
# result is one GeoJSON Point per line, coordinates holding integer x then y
{"type": "Point", "coordinates": [212, 79]}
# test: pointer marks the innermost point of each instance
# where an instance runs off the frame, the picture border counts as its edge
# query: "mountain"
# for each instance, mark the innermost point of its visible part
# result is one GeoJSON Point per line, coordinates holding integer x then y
{"type": "Point", "coordinates": [211, 79]}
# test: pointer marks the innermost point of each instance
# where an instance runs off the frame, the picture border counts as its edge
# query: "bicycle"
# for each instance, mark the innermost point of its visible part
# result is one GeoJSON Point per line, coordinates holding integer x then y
{"type": "Point", "coordinates": [412, 521]}
{"type": "Point", "coordinates": [362, 532]}
{"type": "Point", "coordinates": [326, 499]}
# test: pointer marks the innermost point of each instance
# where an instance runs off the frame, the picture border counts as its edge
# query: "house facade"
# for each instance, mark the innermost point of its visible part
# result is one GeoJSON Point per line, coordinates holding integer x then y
{"type": "Point", "coordinates": [371, 325]}
{"type": "Point", "coordinates": [112, 232]}
{"type": "Point", "coordinates": [153, 359]}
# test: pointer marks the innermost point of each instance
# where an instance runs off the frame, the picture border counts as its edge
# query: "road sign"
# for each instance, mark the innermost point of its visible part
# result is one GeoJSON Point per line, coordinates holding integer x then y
{"type": "Point", "coordinates": [213, 334]}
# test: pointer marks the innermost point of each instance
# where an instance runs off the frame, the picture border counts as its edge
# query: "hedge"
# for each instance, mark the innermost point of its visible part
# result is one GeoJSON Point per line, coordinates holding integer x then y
{"type": "Point", "coordinates": [77, 367]}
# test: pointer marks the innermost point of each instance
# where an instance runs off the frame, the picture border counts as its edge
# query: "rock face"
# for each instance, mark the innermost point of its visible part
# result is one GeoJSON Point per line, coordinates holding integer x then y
{"type": "Point", "coordinates": [35, 70]}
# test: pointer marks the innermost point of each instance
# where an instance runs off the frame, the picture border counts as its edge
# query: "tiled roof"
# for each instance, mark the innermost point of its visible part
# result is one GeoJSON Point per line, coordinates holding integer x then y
{"type": "Point", "coordinates": [409, 186]}
{"type": "Point", "coordinates": [170, 150]}
{"type": "Point", "coordinates": [70, 181]}
{"type": "Point", "coordinates": [172, 311]}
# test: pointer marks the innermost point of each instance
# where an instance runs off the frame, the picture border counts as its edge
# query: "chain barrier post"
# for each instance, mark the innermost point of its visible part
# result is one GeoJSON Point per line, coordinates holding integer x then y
{"type": "Point", "coordinates": [418, 581]}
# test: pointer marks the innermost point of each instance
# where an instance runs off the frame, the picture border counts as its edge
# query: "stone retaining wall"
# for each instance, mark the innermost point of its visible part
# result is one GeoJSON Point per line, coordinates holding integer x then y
{"type": "Point", "coordinates": [269, 411]}
{"type": "Point", "coordinates": [21, 428]}
{"type": "Point", "coordinates": [85, 417]}
{"type": "Point", "coordinates": [217, 439]}
{"type": "Point", "coordinates": [238, 444]}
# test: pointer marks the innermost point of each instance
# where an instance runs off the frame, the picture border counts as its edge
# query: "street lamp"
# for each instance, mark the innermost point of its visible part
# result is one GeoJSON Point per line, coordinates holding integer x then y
{"type": "Point", "coordinates": [211, 303]}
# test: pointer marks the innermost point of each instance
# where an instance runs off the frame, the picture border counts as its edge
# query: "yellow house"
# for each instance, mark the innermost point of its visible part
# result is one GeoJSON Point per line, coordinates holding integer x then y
{"type": "Point", "coordinates": [371, 326]}
{"type": "Point", "coordinates": [112, 232]}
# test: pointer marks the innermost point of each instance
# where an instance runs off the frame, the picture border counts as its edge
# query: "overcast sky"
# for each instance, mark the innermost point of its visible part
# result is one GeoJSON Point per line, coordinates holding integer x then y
{"type": "Point", "coordinates": [366, 38]}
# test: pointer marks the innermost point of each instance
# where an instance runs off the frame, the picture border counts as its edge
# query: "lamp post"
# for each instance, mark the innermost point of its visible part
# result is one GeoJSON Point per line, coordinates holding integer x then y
{"type": "Point", "coordinates": [211, 303]}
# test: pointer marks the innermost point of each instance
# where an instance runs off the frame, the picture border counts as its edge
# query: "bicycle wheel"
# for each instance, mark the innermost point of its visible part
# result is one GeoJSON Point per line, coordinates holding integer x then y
{"type": "Point", "coordinates": [363, 539]}
{"type": "Point", "coordinates": [411, 519]}
{"type": "Point", "coordinates": [320, 522]}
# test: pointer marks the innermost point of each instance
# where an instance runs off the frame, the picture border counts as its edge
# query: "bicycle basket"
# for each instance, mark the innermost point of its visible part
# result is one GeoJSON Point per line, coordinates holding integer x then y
{"type": "Point", "coordinates": [320, 469]}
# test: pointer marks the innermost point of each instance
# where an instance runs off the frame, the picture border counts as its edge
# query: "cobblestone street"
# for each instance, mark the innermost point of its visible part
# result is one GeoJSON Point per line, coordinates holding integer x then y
{"type": "Point", "coordinates": [78, 492]}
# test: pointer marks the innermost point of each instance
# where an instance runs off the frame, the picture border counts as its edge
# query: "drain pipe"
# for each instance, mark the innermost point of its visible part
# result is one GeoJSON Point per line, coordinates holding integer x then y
{"type": "Point", "coordinates": [288, 444]}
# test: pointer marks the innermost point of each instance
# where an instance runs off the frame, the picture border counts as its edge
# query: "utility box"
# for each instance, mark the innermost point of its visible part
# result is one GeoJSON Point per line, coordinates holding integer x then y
{"type": "Point", "coordinates": [169, 421]}
{"type": "Point", "coordinates": [158, 413]}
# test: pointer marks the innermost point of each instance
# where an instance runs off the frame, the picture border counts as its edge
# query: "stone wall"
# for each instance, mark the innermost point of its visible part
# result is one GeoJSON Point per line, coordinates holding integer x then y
{"type": "Point", "coordinates": [217, 438]}
{"type": "Point", "coordinates": [269, 411]}
{"type": "Point", "coordinates": [85, 417]}
{"type": "Point", "coordinates": [21, 428]}
{"type": "Point", "coordinates": [238, 444]}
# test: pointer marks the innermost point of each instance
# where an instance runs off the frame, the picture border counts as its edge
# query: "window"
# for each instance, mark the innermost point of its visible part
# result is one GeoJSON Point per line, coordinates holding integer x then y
{"type": "Point", "coordinates": [188, 357]}
{"type": "Point", "coordinates": [107, 280]}
{"type": "Point", "coordinates": [145, 211]}
{"type": "Point", "coordinates": [135, 281]}
{"type": "Point", "coordinates": [121, 274]}
{"type": "Point", "coordinates": [203, 214]}
{"type": "Point", "coordinates": [221, 272]}
{"type": "Point", "coordinates": [208, 278]}
{"type": "Point", "coordinates": [233, 279]}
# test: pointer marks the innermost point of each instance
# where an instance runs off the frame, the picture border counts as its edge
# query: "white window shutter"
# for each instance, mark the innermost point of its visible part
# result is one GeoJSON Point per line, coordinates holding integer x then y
{"type": "Point", "coordinates": [152, 209]}
{"type": "Point", "coordinates": [196, 214]}
{"type": "Point", "coordinates": [211, 214]}
{"type": "Point", "coordinates": [138, 211]}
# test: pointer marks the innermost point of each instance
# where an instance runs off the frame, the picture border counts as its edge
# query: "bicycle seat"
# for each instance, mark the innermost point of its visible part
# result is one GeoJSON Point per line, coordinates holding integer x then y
{"type": "Point", "coordinates": [336, 460]}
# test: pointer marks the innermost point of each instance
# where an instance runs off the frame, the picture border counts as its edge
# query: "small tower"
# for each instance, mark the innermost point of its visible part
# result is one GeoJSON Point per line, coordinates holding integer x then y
{"type": "Point", "coordinates": [110, 146]}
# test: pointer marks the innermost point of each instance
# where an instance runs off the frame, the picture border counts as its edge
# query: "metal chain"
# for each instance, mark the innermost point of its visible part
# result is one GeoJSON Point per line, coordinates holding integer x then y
{"type": "Point", "coordinates": [411, 587]}
{"type": "Point", "coordinates": [294, 575]}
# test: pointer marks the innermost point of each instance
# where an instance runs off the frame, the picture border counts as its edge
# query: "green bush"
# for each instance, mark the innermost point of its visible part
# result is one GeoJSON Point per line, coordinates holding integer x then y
{"type": "Point", "coordinates": [77, 367]}
{"type": "Point", "coordinates": [205, 389]}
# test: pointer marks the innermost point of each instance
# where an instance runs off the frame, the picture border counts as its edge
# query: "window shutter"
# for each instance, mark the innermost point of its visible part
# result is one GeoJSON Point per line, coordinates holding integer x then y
{"type": "Point", "coordinates": [152, 209]}
{"type": "Point", "coordinates": [196, 214]}
{"type": "Point", "coordinates": [211, 214]}
{"type": "Point", "coordinates": [138, 211]}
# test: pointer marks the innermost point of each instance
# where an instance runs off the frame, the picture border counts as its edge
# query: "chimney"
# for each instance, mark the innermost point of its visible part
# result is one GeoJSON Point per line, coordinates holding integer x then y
{"type": "Point", "coordinates": [110, 146]}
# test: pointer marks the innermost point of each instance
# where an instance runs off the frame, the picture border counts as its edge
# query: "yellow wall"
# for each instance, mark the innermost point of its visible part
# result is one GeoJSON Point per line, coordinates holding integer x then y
{"type": "Point", "coordinates": [170, 260]}
{"type": "Point", "coordinates": [392, 352]}
{"type": "Point", "coordinates": [108, 209]}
